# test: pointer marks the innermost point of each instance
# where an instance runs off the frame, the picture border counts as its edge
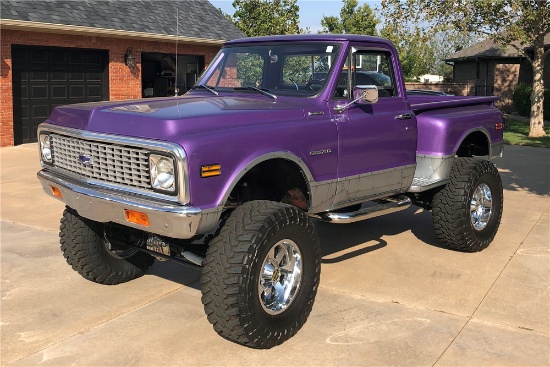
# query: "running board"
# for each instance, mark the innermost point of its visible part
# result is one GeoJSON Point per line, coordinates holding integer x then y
{"type": "Point", "coordinates": [386, 206]}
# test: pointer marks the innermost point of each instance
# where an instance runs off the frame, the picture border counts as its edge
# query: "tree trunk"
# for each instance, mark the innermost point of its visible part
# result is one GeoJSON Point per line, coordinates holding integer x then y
{"type": "Point", "coordinates": [536, 123]}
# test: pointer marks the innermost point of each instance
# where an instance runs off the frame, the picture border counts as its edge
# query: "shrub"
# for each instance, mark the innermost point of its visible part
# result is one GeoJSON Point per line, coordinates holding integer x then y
{"type": "Point", "coordinates": [522, 100]}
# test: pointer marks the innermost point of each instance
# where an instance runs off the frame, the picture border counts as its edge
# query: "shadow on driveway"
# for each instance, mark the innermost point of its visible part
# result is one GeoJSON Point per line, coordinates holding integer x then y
{"type": "Point", "coordinates": [525, 168]}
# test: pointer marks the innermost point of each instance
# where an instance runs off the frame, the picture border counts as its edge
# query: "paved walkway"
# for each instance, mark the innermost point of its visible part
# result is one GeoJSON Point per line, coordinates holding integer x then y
{"type": "Point", "coordinates": [388, 296]}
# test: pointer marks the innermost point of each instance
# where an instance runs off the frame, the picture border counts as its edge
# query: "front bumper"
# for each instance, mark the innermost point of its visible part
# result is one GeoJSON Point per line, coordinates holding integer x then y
{"type": "Point", "coordinates": [166, 218]}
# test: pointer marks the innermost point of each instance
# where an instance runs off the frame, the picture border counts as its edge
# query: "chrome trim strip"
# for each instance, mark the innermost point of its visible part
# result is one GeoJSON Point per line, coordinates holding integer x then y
{"type": "Point", "coordinates": [372, 185]}
{"type": "Point", "coordinates": [496, 150]}
{"type": "Point", "coordinates": [419, 184]}
{"type": "Point", "coordinates": [322, 195]}
{"type": "Point", "coordinates": [433, 166]}
{"type": "Point", "coordinates": [431, 171]}
{"type": "Point", "coordinates": [167, 219]}
{"type": "Point", "coordinates": [153, 145]}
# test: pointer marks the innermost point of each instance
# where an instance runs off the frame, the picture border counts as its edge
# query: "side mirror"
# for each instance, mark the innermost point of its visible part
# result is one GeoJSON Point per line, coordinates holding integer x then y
{"type": "Point", "coordinates": [365, 94]}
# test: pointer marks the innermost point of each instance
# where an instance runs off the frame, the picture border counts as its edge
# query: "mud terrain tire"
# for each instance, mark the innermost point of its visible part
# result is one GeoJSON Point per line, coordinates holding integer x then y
{"type": "Point", "coordinates": [466, 213]}
{"type": "Point", "coordinates": [241, 302]}
{"type": "Point", "coordinates": [84, 248]}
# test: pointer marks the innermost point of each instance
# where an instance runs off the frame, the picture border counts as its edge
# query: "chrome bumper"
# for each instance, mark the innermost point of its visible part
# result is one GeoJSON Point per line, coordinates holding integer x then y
{"type": "Point", "coordinates": [167, 219]}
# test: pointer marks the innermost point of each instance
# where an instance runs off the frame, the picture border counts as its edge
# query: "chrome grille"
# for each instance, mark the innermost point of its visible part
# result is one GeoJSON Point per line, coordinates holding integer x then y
{"type": "Point", "coordinates": [102, 161]}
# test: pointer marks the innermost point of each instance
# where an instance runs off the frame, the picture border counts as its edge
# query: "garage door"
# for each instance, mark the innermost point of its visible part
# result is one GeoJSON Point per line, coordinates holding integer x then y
{"type": "Point", "coordinates": [46, 77]}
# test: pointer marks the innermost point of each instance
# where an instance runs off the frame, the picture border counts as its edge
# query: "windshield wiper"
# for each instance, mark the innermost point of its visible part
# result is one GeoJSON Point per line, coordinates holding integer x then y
{"type": "Point", "coordinates": [204, 86]}
{"type": "Point", "coordinates": [262, 91]}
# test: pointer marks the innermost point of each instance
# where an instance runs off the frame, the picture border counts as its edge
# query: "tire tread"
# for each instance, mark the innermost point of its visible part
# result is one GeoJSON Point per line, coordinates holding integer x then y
{"type": "Point", "coordinates": [224, 280]}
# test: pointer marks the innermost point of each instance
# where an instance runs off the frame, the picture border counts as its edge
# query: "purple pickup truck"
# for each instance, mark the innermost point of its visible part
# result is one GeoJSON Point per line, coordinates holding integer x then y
{"type": "Point", "coordinates": [279, 132]}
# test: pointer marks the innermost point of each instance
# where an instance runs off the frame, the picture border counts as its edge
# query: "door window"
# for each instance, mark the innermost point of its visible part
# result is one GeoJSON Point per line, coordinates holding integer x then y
{"type": "Point", "coordinates": [368, 68]}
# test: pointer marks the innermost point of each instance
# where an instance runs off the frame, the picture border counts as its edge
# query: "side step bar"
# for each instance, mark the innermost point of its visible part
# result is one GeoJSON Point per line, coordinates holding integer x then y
{"type": "Point", "coordinates": [386, 206]}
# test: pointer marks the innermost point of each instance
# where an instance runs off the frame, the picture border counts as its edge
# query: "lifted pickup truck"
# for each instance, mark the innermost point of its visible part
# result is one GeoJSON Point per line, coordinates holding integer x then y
{"type": "Point", "coordinates": [278, 132]}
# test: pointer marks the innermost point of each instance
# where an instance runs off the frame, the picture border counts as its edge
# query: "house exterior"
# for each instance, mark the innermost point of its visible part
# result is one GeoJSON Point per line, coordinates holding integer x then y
{"type": "Point", "coordinates": [62, 52]}
{"type": "Point", "coordinates": [430, 78]}
{"type": "Point", "coordinates": [495, 70]}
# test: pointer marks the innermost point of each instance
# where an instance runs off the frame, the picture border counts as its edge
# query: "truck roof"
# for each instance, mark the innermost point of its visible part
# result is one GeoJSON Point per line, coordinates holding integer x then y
{"type": "Point", "coordinates": [311, 37]}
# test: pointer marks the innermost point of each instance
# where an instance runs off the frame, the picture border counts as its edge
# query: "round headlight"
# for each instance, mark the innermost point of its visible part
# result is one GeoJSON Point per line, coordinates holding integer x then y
{"type": "Point", "coordinates": [162, 173]}
{"type": "Point", "coordinates": [45, 148]}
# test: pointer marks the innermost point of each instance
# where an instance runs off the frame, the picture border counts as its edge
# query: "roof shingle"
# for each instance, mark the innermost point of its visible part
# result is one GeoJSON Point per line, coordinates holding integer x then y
{"type": "Point", "coordinates": [489, 49]}
{"type": "Point", "coordinates": [197, 18]}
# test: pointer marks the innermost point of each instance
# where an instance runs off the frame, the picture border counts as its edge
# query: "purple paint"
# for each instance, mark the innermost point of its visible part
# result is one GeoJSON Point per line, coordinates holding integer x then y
{"type": "Point", "coordinates": [236, 127]}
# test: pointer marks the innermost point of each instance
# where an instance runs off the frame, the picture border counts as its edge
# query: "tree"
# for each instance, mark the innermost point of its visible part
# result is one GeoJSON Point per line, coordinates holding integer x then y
{"type": "Point", "coordinates": [353, 20]}
{"type": "Point", "coordinates": [265, 18]}
{"type": "Point", "coordinates": [446, 43]}
{"type": "Point", "coordinates": [519, 23]}
{"type": "Point", "coordinates": [416, 54]}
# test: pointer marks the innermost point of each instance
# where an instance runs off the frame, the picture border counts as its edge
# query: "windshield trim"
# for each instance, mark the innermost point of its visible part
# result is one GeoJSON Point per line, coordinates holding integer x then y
{"type": "Point", "coordinates": [208, 75]}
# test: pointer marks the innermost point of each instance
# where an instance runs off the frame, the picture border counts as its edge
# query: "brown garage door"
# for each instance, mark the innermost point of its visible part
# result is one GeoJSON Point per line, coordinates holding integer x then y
{"type": "Point", "coordinates": [46, 77]}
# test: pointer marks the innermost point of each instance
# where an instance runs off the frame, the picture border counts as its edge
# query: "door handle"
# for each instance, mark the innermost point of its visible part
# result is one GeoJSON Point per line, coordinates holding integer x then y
{"type": "Point", "coordinates": [404, 116]}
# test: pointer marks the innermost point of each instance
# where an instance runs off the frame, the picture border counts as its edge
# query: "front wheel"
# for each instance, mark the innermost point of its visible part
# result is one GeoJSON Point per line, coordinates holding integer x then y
{"type": "Point", "coordinates": [261, 274]}
{"type": "Point", "coordinates": [466, 213]}
{"type": "Point", "coordinates": [87, 250]}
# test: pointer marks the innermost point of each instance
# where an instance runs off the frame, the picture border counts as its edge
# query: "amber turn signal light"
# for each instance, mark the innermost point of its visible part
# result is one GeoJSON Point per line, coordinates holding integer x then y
{"type": "Point", "coordinates": [56, 192]}
{"type": "Point", "coordinates": [211, 170]}
{"type": "Point", "coordinates": [137, 217]}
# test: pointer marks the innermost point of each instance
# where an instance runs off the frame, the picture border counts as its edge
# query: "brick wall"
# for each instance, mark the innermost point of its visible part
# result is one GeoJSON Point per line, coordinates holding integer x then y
{"type": "Point", "coordinates": [124, 83]}
{"type": "Point", "coordinates": [6, 102]}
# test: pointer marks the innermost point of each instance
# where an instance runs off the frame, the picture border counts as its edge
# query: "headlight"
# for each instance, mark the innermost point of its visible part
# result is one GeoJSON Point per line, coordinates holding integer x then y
{"type": "Point", "coordinates": [162, 172]}
{"type": "Point", "coordinates": [45, 148]}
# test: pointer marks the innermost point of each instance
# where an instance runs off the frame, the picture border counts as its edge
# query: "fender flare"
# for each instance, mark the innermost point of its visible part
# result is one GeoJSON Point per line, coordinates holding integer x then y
{"type": "Point", "coordinates": [263, 158]}
{"type": "Point", "coordinates": [468, 133]}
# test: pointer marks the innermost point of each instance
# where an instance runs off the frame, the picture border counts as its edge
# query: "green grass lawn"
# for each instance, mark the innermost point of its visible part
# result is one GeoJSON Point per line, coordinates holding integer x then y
{"type": "Point", "coordinates": [516, 134]}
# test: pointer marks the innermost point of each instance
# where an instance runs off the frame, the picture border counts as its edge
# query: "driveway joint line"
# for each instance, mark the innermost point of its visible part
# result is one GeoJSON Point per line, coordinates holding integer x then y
{"type": "Point", "coordinates": [370, 298]}
{"type": "Point", "coordinates": [82, 332]}
{"type": "Point", "coordinates": [489, 290]}
{"type": "Point", "coordinates": [513, 327]}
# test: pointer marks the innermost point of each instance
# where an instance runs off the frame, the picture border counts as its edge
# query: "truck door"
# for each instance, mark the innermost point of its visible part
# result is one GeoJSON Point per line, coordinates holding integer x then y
{"type": "Point", "coordinates": [376, 142]}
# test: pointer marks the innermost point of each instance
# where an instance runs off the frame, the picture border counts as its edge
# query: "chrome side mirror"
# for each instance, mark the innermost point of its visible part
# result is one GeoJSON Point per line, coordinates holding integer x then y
{"type": "Point", "coordinates": [363, 94]}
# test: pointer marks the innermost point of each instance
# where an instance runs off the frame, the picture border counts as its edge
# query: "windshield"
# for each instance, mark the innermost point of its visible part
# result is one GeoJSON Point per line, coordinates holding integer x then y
{"type": "Point", "coordinates": [297, 69]}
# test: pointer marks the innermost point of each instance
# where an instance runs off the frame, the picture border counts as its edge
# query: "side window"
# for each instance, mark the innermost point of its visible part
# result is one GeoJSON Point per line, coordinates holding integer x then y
{"type": "Point", "coordinates": [368, 68]}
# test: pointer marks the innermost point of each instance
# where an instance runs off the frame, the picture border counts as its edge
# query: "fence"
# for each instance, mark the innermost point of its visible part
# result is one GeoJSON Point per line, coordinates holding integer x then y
{"type": "Point", "coordinates": [458, 89]}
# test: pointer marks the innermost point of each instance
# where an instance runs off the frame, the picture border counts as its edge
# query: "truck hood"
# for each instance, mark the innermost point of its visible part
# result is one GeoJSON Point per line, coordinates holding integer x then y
{"type": "Point", "coordinates": [169, 118]}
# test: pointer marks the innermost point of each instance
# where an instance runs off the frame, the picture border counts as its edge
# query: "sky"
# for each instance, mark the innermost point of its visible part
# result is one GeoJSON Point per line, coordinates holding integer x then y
{"type": "Point", "coordinates": [311, 11]}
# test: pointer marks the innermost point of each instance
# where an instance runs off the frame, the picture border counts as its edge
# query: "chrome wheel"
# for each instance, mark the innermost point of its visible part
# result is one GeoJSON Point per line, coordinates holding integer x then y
{"type": "Point", "coordinates": [280, 277]}
{"type": "Point", "coordinates": [481, 206]}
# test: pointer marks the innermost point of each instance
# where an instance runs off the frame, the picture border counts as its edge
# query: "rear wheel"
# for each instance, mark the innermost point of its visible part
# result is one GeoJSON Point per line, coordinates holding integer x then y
{"type": "Point", "coordinates": [261, 274]}
{"type": "Point", "coordinates": [466, 213]}
{"type": "Point", "coordinates": [87, 250]}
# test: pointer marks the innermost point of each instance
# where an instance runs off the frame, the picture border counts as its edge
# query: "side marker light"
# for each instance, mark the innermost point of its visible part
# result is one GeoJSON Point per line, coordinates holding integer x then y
{"type": "Point", "coordinates": [56, 192]}
{"type": "Point", "coordinates": [137, 217]}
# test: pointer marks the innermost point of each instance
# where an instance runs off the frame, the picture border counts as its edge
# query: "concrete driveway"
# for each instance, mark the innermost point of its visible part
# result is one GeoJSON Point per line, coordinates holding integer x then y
{"type": "Point", "coordinates": [388, 296]}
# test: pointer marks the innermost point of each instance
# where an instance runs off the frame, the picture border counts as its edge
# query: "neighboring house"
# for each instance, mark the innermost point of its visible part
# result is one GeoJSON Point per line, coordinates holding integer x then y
{"type": "Point", "coordinates": [495, 70]}
{"type": "Point", "coordinates": [430, 78]}
{"type": "Point", "coordinates": [62, 52]}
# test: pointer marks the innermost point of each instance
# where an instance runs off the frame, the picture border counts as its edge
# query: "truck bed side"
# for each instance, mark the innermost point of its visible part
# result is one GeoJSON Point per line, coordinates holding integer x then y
{"type": "Point", "coordinates": [445, 121]}
{"type": "Point", "coordinates": [450, 126]}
